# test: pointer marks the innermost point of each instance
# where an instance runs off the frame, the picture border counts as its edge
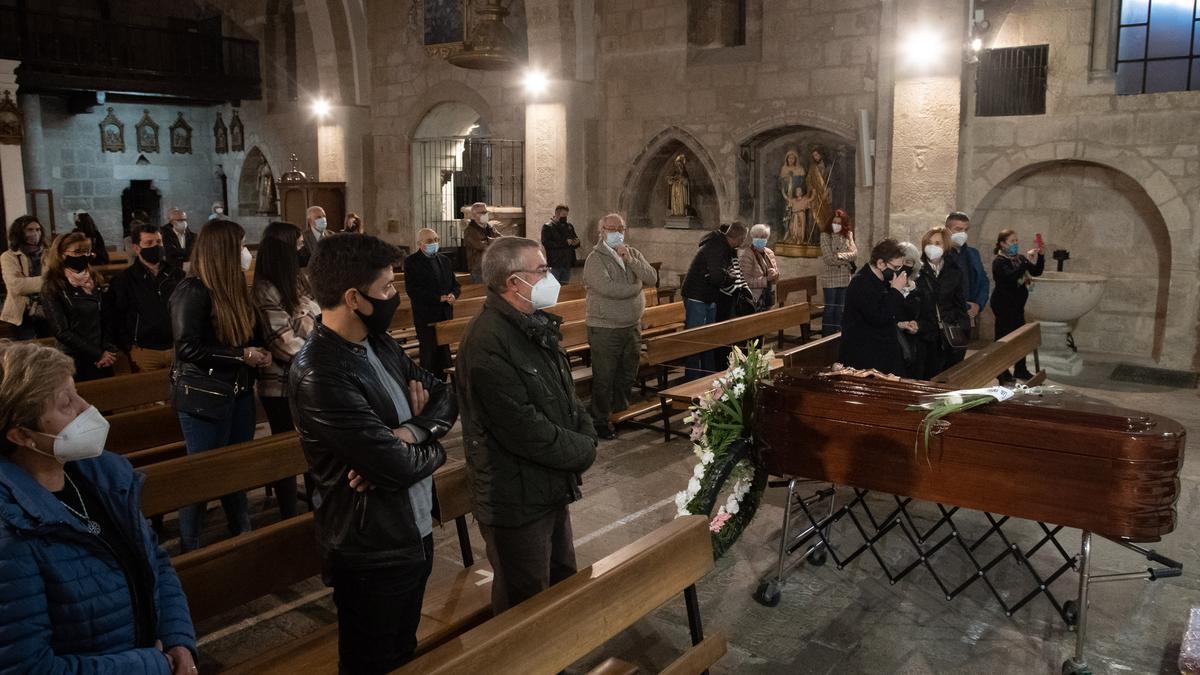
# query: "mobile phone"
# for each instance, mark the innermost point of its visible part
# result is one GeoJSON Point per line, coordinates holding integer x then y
{"type": "Point", "coordinates": [1037, 240]}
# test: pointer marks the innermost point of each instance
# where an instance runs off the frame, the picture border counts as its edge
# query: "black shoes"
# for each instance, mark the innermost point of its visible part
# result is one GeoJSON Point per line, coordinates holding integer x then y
{"type": "Point", "coordinates": [606, 433]}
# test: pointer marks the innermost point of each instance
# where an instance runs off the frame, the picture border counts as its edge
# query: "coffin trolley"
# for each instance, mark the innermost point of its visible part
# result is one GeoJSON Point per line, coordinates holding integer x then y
{"type": "Point", "coordinates": [1056, 459]}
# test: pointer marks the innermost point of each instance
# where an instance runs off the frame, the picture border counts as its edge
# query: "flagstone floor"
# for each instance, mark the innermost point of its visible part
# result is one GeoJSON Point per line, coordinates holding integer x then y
{"type": "Point", "coordinates": [829, 621]}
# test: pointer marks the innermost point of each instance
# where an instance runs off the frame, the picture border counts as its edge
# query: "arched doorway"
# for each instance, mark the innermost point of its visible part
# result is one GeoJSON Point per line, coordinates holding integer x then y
{"type": "Point", "coordinates": [256, 186]}
{"type": "Point", "coordinates": [1110, 226]}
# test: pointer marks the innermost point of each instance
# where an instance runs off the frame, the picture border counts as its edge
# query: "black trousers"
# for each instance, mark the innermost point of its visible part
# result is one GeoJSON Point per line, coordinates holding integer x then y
{"type": "Point", "coordinates": [279, 417]}
{"type": "Point", "coordinates": [529, 559]}
{"type": "Point", "coordinates": [434, 358]}
{"type": "Point", "coordinates": [378, 614]}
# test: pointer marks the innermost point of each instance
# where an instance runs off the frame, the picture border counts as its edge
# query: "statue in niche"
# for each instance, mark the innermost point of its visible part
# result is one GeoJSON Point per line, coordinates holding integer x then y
{"type": "Point", "coordinates": [679, 187]}
{"type": "Point", "coordinates": [792, 187]}
{"type": "Point", "coordinates": [266, 190]}
{"type": "Point", "coordinates": [220, 135]}
{"type": "Point", "coordinates": [820, 195]}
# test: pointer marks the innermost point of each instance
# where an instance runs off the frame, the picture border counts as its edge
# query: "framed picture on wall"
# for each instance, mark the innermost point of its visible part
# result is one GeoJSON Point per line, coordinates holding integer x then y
{"type": "Point", "coordinates": [181, 137]}
{"type": "Point", "coordinates": [445, 26]}
{"type": "Point", "coordinates": [112, 133]}
{"type": "Point", "coordinates": [11, 128]}
{"type": "Point", "coordinates": [147, 133]}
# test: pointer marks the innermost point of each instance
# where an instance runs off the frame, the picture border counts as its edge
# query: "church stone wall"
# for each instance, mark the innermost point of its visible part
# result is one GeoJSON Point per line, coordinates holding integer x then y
{"type": "Point", "coordinates": [1150, 138]}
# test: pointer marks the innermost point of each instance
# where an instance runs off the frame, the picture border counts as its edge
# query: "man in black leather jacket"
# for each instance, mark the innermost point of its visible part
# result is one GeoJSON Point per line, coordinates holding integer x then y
{"type": "Point", "coordinates": [370, 421]}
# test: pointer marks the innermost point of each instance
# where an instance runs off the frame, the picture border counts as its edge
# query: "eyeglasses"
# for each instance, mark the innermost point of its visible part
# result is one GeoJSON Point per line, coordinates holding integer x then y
{"type": "Point", "coordinates": [541, 271]}
{"type": "Point", "coordinates": [79, 254]}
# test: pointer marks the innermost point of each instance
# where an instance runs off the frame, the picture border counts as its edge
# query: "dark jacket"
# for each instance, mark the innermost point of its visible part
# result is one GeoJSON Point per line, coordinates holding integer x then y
{"type": "Point", "coordinates": [1008, 300]}
{"type": "Point", "coordinates": [710, 270]}
{"type": "Point", "coordinates": [64, 601]}
{"type": "Point", "coordinates": [198, 352]}
{"type": "Point", "coordinates": [476, 239]}
{"type": "Point", "coordinates": [554, 239]}
{"type": "Point", "coordinates": [527, 436]}
{"type": "Point", "coordinates": [141, 314]}
{"type": "Point", "coordinates": [869, 325]}
{"type": "Point", "coordinates": [77, 321]}
{"type": "Point", "coordinates": [99, 248]}
{"type": "Point", "coordinates": [975, 279]}
{"type": "Point", "coordinates": [940, 293]}
{"type": "Point", "coordinates": [345, 418]}
{"type": "Point", "coordinates": [427, 278]}
{"type": "Point", "coordinates": [174, 254]}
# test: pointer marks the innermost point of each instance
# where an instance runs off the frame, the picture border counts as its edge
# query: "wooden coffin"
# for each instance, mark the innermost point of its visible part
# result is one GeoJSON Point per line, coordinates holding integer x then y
{"type": "Point", "coordinates": [1058, 459]}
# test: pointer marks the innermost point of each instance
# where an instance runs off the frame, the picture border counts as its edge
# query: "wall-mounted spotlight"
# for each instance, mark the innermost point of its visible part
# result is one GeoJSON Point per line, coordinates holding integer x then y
{"type": "Point", "coordinates": [535, 81]}
{"type": "Point", "coordinates": [320, 107]}
{"type": "Point", "coordinates": [923, 48]}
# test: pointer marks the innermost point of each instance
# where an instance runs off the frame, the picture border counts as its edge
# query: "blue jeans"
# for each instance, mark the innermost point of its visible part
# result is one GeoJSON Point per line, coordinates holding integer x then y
{"type": "Point", "coordinates": [697, 313]}
{"type": "Point", "coordinates": [835, 304]}
{"type": "Point", "coordinates": [231, 423]}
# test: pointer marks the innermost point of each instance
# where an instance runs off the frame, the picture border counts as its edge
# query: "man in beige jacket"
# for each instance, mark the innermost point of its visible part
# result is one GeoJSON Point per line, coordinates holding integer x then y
{"type": "Point", "coordinates": [614, 274]}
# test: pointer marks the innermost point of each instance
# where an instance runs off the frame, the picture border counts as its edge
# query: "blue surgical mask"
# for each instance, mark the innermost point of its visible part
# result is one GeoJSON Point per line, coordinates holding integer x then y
{"type": "Point", "coordinates": [614, 239]}
{"type": "Point", "coordinates": [431, 248]}
{"type": "Point", "coordinates": [759, 243]}
{"type": "Point", "coordinates": [320, 224]}
{"type": "Point", "coordinates": [1013, 249]}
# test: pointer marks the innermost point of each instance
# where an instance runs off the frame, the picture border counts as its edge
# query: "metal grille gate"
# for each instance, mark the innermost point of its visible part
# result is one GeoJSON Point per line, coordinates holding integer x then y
{"type": "Point", "coordinates": [452, 172]}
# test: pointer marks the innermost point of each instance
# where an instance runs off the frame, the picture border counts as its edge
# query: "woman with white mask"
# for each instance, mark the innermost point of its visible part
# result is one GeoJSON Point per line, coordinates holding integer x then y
{"type": "Point", "coordinates": [943, 305]}
{"type": "Point", "coordinates": [838, 255]}
{"type": "Point", "coordinates": [86, 587]}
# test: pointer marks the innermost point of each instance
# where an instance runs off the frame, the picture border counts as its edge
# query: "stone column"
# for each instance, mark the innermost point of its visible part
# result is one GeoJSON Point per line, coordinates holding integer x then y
{"type": "Point", "coordinates": [339, 151]}
{"type": "Point", "coordinates": [926, 116]}
{"type": "Point", "coordinates": [12, 168]}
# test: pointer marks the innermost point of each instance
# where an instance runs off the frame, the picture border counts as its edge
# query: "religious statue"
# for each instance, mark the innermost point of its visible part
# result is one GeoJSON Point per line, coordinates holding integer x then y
{"type": "Point", "coordinates": [791, 188]}
{"type": "Point", "coordinates": [820, 196]}
{"type": "Point", "coordinates": [679, 187]}
{"type": "Point", "coordinates": [266, 190]}
{"type": "Point", "coordinates": [220, 135]}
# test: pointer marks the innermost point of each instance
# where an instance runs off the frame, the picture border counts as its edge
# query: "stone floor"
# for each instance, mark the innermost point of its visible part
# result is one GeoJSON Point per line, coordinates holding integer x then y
{"type": "Point", "coordinates": [847, 621]}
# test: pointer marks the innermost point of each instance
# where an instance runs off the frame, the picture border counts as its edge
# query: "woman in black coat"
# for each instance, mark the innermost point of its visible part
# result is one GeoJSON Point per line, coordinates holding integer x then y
{"type": "Point", "coordinates": [1011, 272]}
{"type": "Point", "coordinates": [943, 301]}
{"type": "Point", "coordinates": [874, 310]}
{"type": "Point", "coordinates": [85, 224]}
{"type": "Point", "coordinates": [75, 307]}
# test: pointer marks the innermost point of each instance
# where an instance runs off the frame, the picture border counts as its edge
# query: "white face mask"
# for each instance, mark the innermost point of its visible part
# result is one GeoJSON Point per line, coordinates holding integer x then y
{"type": "Point", "coordinates": [320, 224]}
{"type": "Point", "coordinates": [544, 293]}
{"type": "Point", "coordinates": [181, 225]}
{"type": "Point", "coordinates": [959, 238]}
{"type": "Point", "coordinates": [246, 259]}
{"type": "Point", "coordinates": [836, 227]}
{"type": "Point", "coordinates": [933, 252]}
{"type": "Point", "coordinates": [83, 438]}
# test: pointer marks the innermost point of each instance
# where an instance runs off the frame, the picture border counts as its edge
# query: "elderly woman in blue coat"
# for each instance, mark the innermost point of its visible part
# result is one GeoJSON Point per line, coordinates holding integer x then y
{"type": "Point", "coordinates": [84, 586]}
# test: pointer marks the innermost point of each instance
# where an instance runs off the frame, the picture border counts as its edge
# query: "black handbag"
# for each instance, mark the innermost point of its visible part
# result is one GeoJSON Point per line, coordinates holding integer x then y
{"type": "Point", "coordinates": [199, 394]}
{"type": "Point", "coordinates": [954, 334]}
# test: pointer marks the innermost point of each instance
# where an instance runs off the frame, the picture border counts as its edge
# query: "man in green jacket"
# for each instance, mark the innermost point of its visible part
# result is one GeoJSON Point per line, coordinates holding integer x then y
{"type": "Point", "coordinates": [528, 438]}
{"type": "Point", "coordinates": [614, 274]}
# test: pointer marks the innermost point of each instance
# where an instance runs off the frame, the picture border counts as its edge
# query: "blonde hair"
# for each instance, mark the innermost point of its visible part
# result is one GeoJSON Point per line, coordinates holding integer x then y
{"type": "Point", "coordinates": [53, 271]}
{"type": "Point", "coordinates": [216, 261]}
{"type": "Point", "coordinates": [933, 232]}
{"type": "Point", "coordinates": [30, 373]}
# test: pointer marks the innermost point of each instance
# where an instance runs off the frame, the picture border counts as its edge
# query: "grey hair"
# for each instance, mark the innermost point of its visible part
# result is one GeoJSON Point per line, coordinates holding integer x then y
{"type": "Point", "coordinates": [606, 219]}
{"type": "Point", "coordinates": [760, 230]}
{"type": "Point", "coordinates": [502, 258]}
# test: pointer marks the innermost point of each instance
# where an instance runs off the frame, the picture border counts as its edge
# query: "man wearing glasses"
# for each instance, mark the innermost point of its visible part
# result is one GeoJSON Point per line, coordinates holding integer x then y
{"type": "Point", "coordinates": [527, 436]}
{"type": "Point", "coordinates": [614, 274]}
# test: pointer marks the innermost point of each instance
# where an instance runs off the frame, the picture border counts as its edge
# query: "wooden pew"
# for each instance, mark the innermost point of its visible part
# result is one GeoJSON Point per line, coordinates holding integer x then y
{"type": "Point", "coordinates": [564, 623]}
{"type": "Point", "coordinates": [146, 436]}
{"type": "Point", "coordinates": [980, 368]}
{"type": "Point", "coordinates": [786, 288]}
{"type": "Point", "coordinates": [232, 572]}
{"type": "Point", "coordinates": [661, 350]}
{"type": "Point", "coordinates": [126, 391]}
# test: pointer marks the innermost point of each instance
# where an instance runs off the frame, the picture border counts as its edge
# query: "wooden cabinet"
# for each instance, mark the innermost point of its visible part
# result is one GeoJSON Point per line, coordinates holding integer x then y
{"type": "Point", "coordinates": [296, 196]}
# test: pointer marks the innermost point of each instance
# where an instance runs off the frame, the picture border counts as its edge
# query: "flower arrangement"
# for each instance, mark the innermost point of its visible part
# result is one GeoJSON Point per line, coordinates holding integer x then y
{"type": "Point", "coordinates": [719, 423]}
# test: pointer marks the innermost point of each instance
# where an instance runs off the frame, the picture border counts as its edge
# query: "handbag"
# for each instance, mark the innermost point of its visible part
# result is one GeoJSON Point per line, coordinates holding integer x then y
{"type": "Point", "coordinates": [952, 333]}
{"type": "Point", "coordinates": [198, 394]}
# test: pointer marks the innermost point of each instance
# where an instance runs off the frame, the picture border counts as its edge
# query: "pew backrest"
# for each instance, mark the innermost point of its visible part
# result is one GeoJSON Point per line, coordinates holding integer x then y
{"type": "Point", "coordinates": [664, 348]}
{"type": "Point", "coordinates": [788, 288]}
{"type": "Point", "coordinates": [985, 365]}
{"type": "Point", "coordinates": [584, 611]}
{"type": "Point", "coordinates": [816, 354]}
{"type": "Point", "coordinates": [136, 430]}
{"type": "Point", "coordinates": [126, 391]}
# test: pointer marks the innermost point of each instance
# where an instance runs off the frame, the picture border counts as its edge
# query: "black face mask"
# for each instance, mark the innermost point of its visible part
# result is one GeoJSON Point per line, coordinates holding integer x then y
{"type": "Point", "coordinates": [907, 269]}
{"type": "Point", "coordinates": [77, 263]}
{"type": "Point", "coordinates": [563, 220]}
{"type": "Point", "coordinates": [152, 255]}
{"type": "Point", "coordinates": [303, 256]}
{"type": "Point", "coordinates": [381, 317]}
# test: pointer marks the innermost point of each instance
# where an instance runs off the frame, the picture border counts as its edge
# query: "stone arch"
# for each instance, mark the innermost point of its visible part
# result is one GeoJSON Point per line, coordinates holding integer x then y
{"type": "Point", "coordinates": [446, 91]}
{"type": "Point", "coordinates": [639, 184]}
{"type": "Point", "coordinates": [793, 118]}
{"type": "Point", "coordinates": [249, 203]}
{"type": "Point", "coordinates": [1074, 201]}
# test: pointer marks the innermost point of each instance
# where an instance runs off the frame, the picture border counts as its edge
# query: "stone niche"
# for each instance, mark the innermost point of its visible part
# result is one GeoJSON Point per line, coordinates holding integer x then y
{"type": "Point", "coordinates": [760, 186]}
{"type": "Point", "coordinates": [649, 192]}
{"type": "Point", "coordinates": [1110, 226]}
